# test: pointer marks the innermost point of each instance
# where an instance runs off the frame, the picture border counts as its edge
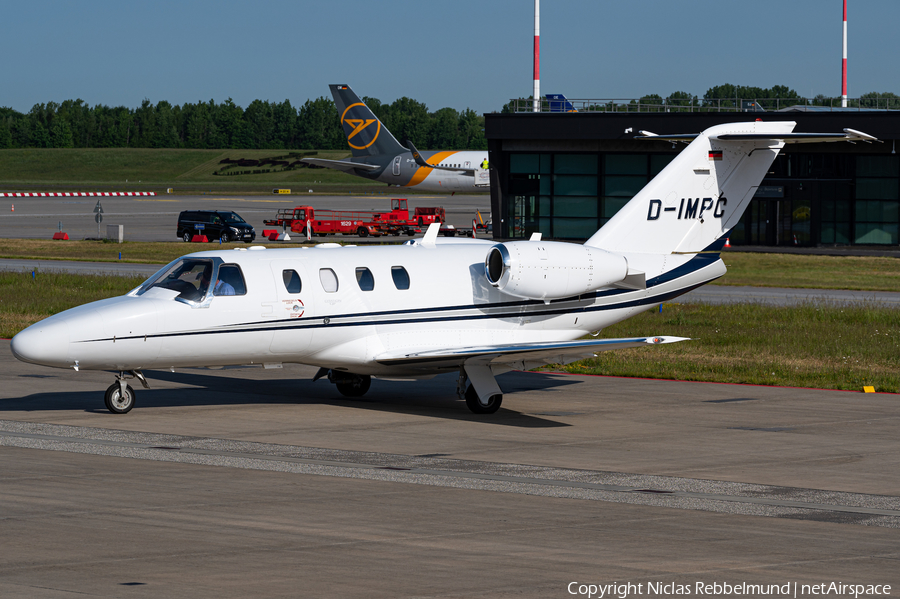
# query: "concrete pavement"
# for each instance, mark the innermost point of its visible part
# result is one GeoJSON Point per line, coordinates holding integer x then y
{"type": "Point", "coordinates": [250, 482]}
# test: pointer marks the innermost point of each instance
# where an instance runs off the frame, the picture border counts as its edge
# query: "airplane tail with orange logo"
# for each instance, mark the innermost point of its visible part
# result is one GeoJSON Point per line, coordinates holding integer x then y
{"type": "Point", "coordinates": [366, 135]}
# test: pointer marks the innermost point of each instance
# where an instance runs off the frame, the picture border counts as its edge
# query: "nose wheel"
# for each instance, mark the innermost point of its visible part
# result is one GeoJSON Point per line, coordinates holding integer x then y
{"type": "Point", "coordinates": [119, 397]}
{"type": "Point", "coordinates": [119, 400]}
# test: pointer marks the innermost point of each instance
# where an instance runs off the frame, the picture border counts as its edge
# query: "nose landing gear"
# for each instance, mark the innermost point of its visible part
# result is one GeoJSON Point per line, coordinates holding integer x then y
{"type": "Point", "coordinates": [120, 397]}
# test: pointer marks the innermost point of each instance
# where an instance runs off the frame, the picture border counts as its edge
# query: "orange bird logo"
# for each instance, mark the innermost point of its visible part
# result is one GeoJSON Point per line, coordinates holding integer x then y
{"type": "Point", "coordinates": [358, 126]}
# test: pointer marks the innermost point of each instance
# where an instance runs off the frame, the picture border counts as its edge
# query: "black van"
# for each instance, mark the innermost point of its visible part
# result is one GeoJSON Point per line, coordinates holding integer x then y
{"type": "Point", "coordinates": [215, 224]}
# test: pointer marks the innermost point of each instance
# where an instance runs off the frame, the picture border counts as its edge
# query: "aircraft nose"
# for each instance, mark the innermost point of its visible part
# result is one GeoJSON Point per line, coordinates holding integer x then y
{"type": "Point", "coordinates": [45, 343]}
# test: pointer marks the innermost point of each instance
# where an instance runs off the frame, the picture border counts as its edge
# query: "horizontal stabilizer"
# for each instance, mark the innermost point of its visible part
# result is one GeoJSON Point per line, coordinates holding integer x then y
{"type": "Point", "coordinates": [850, 135]}
{"type": "Point", "coordinates": [684, 137]}
{"type": "Point", "coordinates": [803, 138]}
{"type": "Point", "coordinates": [341, 165]}
{"type": "Point", "coordinates": [533, 354]}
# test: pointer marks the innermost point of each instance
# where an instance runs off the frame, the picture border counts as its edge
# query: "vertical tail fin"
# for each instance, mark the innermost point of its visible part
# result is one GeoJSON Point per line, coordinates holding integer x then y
{"type": "Point", "coordinates": [366, 135]}
{"type": "Point", "coordinates": [700, 195]}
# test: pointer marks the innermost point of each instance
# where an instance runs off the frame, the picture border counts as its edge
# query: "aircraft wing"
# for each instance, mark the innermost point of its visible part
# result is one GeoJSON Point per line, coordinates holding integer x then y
{"type": "Point", "coordinates": [421, 162]}
{"type": "Point", "coordinates": [341, 165]}
{"type": "Point", "coordinates": [522, 356]}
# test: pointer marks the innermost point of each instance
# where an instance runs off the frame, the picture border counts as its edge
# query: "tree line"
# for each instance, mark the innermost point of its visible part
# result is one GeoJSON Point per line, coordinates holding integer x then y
{"type": "Point", "coordinates": [316, 124]}
{"type": "Point", "coordinates": [723, 97]}
{"type": "Point", "coordinates": [262, 125]}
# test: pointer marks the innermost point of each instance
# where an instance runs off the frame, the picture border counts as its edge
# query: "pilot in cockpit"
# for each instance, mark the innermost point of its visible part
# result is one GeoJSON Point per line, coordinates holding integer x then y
{"type": "Point", "coordinates": [220, 288]}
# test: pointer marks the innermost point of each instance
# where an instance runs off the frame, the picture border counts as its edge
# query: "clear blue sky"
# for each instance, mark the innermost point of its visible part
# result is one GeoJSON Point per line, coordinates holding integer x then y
{"type": "Point", "coordinates": [457, 53]}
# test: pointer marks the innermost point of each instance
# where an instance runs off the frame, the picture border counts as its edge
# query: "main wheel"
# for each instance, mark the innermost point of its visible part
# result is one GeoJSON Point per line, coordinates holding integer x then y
{"type": "Point", "coordinates": [356, 387]}
{"type": "Point", "coordinates": [477, 407]}
{"type": "Point", "coordinates": [186, 237]}
{"type": "Point", "coordinates": [116, 402]}
{"type": "Point", "coordinates": [362, 232]}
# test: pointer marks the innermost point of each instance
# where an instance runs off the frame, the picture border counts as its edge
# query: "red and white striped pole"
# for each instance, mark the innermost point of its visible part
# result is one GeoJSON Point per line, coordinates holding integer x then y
{"type": "Point", "coordinates": [844, 63]}
{"type": "Point", "coordinates": [537, 56]}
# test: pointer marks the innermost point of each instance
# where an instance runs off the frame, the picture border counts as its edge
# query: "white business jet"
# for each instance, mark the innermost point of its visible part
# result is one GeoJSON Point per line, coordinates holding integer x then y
{"type": "Point", "coordinates": [432, 305]}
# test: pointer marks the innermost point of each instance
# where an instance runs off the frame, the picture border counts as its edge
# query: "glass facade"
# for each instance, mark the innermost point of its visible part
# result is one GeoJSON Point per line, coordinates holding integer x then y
{"type": "Point", "coordinates": [875, 214]}
{"type": "Point", "coordinates": [807, 199]}
{"type": "Point", "coordinates": [571, 195]}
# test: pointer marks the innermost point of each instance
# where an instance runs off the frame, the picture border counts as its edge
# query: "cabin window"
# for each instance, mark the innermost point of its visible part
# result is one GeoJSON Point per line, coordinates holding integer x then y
{"type": "Point", "coordinates": [291, 281]}
{"type": "Point", "coordinates": [365, 279]}
{"type": "Point", "coordinates": [400, 276]}
{"type": "Point", "coordinates": [230, 281]}
{"type": "Point", "coordinates": [329, 280]}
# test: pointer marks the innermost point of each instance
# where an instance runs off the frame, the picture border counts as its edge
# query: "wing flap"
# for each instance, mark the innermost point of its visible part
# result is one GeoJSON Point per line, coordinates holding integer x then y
{"type": "Point", "coordinates": [526, 354]}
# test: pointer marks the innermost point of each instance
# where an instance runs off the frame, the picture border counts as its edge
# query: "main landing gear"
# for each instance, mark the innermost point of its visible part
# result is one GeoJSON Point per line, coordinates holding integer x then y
{"type": "Point", "coordinates": [119, 398]}
{"type": "Point", "coordinates": [478, 406]}
{"type": "Point", "coordinates": [474, 402]}
{"type": "Point", "coordinates": [488, 402]}
{"type": "Point", "coordinates": [348, 384]}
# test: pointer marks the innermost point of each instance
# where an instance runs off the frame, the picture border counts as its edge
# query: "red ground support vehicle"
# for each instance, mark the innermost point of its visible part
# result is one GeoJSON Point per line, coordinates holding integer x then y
{"type": "Point", "coordinates": [425, 216]}
{"type": "Point", "coordinates": [326, 222]}
{"type": "Point", "coordinates": [356, 222]}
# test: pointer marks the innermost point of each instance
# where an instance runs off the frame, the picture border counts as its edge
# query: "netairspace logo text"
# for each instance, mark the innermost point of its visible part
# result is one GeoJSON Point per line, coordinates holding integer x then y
{"type": "Point", "coordinates": [721, 589]}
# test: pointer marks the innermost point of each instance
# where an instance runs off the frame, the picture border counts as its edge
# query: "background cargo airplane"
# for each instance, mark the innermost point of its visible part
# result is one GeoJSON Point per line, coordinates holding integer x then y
{"type": "Point", "coordinates": [429, 306]}
{"type": "Point", "coordinates": [378, 156]}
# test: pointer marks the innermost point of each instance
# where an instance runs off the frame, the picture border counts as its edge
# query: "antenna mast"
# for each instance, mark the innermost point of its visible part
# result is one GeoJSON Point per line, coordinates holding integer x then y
{"type": "Point", "coordinates": [537, 56]}
{"type": "Point", "coordinates": [843, 62]}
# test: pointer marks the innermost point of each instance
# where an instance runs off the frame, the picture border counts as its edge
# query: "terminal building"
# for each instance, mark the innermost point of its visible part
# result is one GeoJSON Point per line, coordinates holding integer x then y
{"type": "Point", "coordinates": [564, 174]}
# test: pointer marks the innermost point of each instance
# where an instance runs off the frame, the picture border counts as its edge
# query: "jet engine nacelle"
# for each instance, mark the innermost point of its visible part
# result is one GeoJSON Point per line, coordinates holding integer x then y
{"type": "Point", "coordinates": [547, 270]}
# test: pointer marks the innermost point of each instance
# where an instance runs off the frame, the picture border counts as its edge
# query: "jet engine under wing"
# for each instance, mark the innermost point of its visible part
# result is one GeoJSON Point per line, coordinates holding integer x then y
{"type": "Point", "coordinates": [526, 355]}
{"type": "Point", "coordinates": [341, 165]}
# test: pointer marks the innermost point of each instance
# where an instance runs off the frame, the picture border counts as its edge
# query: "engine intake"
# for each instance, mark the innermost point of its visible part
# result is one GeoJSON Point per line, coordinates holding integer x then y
{"type": "Point", "coordinates": [548, 270]}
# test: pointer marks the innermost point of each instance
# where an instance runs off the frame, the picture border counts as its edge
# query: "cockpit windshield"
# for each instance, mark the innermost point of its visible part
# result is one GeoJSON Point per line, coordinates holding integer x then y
{"type": "Point", "coordinates": [188, 276]}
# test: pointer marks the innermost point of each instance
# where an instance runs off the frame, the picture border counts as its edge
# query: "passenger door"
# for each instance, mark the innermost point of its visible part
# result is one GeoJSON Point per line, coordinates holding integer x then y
{"type": "Point", "coordinates": [291, 309]}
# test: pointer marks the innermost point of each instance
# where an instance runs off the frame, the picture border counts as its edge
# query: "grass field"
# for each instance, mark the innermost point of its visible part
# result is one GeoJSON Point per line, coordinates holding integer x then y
{"type": "Point", "coordinates": [862, 273]}
{"type": "Point", "coordinates": [744, 268]}
{"type": "Point", "coordinates": [140, 252]}
{"type": "Point", "coordinates": [143, 169]}
{"type": "Point", "coordinates": [25, 300]}
{"type": "Point", "coordinates": [809, 346]}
